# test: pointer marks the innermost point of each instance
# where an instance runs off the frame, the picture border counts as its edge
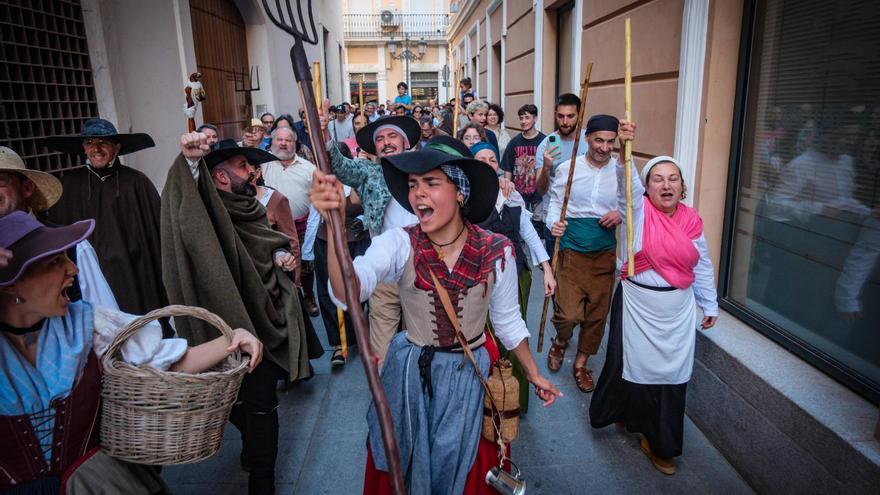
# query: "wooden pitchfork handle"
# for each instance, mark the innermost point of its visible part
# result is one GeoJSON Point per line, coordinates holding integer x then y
{"type": "Point", "coordinates": [585, 86]}
{"type": "Point", "coordinates": [303, 76]}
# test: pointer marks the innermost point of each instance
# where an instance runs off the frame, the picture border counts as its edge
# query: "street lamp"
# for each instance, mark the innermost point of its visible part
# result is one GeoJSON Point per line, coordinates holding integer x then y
{"type": "Point", "coordinates": [406, 55]}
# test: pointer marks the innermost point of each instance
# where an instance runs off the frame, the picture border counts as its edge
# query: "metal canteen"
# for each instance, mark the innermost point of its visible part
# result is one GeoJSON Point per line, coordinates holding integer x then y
{"type": "Point", "coordinates": [506, 483]}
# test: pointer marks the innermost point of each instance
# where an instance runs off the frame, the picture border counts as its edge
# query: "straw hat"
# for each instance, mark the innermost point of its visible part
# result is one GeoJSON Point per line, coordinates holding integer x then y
{"type": "Point", "coordinates": [48, 188]}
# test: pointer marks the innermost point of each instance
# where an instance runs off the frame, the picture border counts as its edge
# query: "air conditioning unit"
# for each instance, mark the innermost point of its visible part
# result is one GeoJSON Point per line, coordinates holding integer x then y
{"type": "Point", "coordinates": [389, 18]}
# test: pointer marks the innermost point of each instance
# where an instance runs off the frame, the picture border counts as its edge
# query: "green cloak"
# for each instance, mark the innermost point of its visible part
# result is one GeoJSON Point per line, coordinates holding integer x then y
{"type": "Point", "coordinates": [217, 253]}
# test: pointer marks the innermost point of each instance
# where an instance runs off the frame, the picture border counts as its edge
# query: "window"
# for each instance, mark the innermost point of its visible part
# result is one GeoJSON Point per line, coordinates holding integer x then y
{"type": "Point", "coordinates": [802, 239]}
{"type": "Point", "coordinates": [565, 32]}
{"type": "Point", "coordinates": [371, 87]}
{"type": "Point", "coordinates": [45, 79]}
{"type": "Point", "coordinates": [424, 86]}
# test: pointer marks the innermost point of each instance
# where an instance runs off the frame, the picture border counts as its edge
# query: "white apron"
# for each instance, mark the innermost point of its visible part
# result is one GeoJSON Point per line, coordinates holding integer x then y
{"type": "Point", "coordinates": [659, 334]}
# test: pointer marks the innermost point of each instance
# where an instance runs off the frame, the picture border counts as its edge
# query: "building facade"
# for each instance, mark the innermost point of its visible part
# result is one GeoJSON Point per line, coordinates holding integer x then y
{"type": "Point", "coordinates": [772, 108]}
{"type": "Point", "coordinates": [388, 42]}
{"type": "Point", "coordinates": [127, 61]}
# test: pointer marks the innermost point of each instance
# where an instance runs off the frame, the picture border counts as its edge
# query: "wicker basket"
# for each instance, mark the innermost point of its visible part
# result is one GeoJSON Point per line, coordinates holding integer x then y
{"type": "Point", "coordinates": [504, 388]}
{"type": "Point", "coordinates": [158, 417]}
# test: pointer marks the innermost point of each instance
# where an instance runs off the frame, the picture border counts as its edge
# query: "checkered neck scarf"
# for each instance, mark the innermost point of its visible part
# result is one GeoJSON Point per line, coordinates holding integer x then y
{"type": "Point", "coordinates": [476, 261]}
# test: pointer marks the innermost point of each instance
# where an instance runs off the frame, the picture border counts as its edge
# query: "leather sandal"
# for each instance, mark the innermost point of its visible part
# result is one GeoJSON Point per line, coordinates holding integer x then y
{"type": "Point", "coordinates": [556, 355]}
{"type": "Point", "coordinates": [583, 377]}
{"type": "Point", "coordinates": [664, 465]}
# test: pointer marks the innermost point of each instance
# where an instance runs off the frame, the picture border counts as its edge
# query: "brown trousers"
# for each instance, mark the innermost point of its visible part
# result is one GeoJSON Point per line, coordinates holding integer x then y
{"type": "Point", "coordinates": [583, 295]}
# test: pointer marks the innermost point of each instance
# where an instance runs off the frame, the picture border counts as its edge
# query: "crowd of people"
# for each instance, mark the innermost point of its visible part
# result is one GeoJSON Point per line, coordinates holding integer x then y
{"type": "Point", "coordinates": [433, 209]}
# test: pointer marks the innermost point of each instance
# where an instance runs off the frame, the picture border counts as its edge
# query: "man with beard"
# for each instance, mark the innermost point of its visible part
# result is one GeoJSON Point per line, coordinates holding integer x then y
{"type": "Point", "coordinates": [385, 137]}
{"type": "Point", "coordinates": [291, 175]}
{"type": "Point", "coordinates": [219, 253]}
{"type": "Point", "coordinates": [32, 191]}
{"type": "Point", "coordinates": [554, 150]}
{"type": "Point", "coordinates": [126, 209]}
{"type": "Point", "coordinates": [587, 247]}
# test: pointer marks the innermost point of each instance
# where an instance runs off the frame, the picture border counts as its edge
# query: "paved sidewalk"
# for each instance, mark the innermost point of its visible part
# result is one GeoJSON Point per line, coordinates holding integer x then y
{"type": "Point", "coordinates": [322, 446]}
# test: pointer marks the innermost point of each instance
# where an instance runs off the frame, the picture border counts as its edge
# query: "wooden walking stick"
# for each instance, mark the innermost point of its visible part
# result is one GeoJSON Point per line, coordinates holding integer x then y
{"type": "Point", "coordinates": [361, 99]}
{"type": "Point", "coordinates": [627, 145]}
{"type": "Point", "coordinates": [195, 93]}
{"type": "Point", "coordinates": [300, 24]}
{"type": "Point", "coordinates": [343, 339]}
{"type": "Point", "coordinates": [457, 107]}
{"type": "Point", "coordinates": [577, 140]}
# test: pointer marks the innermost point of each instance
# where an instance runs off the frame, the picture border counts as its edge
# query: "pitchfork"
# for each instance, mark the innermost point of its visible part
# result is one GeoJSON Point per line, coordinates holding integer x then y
{"type": "Point", "coordinates": [294, 24]}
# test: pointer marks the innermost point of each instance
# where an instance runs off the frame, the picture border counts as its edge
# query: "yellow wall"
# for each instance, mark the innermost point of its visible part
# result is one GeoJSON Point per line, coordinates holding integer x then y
{"type": "Point", "coordinates": [362, 55]}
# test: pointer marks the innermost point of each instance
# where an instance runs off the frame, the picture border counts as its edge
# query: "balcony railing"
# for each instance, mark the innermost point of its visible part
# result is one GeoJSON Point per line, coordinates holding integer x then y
{"type": "Point", "coordinates": [363, 26]}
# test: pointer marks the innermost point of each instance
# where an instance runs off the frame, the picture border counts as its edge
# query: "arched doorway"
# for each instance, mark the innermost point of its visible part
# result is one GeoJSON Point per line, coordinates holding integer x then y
{"type": "Point", "coordinates": [221, 51]}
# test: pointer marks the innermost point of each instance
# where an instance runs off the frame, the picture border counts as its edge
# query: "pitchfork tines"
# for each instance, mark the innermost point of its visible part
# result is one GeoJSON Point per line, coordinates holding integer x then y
{"type": "Point", "coordinates": [296, 26]}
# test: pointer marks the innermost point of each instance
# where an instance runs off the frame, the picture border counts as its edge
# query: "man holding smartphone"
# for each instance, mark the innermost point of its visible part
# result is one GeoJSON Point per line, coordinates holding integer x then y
{"type": "Point", "coordinates": [555, 149]}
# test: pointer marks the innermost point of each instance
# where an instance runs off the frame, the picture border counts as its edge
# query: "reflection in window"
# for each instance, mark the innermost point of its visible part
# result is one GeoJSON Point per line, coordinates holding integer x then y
{"type": "Point", "coordinates": [806, 237]}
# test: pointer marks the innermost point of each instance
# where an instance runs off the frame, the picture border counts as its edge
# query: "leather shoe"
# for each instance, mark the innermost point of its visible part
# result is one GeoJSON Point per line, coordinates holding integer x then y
{"type": "Point", "coordinates": [556, 355]}
{"type": "Point", "coordinates": [664, 465]}
{"type": "Point", "coordinates": [583, 377]}
{"type": "Point", "coordinates": [311, 307]}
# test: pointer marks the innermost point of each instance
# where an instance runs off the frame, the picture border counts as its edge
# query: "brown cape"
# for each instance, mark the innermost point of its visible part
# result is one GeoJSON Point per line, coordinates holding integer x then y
{"type": "Point", "coordinates": [217, 253]}
{"type": "Point", "coordinates": [125, 206]}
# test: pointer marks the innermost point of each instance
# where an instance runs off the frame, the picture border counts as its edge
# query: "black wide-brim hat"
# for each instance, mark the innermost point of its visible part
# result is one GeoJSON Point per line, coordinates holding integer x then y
{"type": "Point", "coordinates": [228, 148]}
{"type": "Point", "coordinates": [99, 128]}
{"type": "Point", "coordinates": [408, 125]}
{"type": "Point", "coordinates": [482, 178]}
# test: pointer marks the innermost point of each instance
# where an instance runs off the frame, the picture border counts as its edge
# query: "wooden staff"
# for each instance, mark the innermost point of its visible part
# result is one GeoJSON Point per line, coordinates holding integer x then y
{"type": "Point", "coordinates": [319, 99]}
{"type": "Point", "coordinates": [457, 107]}
{"type": "Point", "coordinates": [361, 99]}
{"type": "Point", "coordinates": [627, 146]}
{"type": "Point", "coordinates": [336, 235]}
{"type": "Point", "coordinates": [577, 140]}
{"type": "Point", "coordinates": [194, 93]}
{"type": "Point", "coordinates": [343, 340]}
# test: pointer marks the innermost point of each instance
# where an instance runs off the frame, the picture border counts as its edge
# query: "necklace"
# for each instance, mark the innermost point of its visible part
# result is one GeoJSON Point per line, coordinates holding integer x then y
{"type": "Point", "coordinates": [440, 253]}
{"type": "Point", "coordinates": [30, 333]}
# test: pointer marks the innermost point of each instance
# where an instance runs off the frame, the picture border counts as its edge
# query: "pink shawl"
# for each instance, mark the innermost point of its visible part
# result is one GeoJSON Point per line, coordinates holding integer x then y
{"type": "Point", "coordinates": [667, 244]}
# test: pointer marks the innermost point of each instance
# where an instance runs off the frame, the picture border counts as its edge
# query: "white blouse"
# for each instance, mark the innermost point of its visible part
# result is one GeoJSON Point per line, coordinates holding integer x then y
{"type": "Point", "coordinates": [704, 274]}
{"type": "Point", "coordinates": [537, 251]}
{"type": "Point", "coordinates": [385, 261]}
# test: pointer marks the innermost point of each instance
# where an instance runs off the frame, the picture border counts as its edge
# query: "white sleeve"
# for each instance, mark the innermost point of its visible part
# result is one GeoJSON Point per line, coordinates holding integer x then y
{"type": "Point", "coordinates": [638, 189]}
{"type": "Point", "coordinates": [383, 262]}
{"type": "Point", "coordinates": [307, 250]}
{"type": "Point", "coordinates": [557, 192]}
{"type": "Point", "coordinates": [92, 284]}
{"type": "Point", "coordinates": [504, 309]}
{"type": "Point", "coordinates": [145, 347]}
{"type": "Point", "coordinates": [193, 168]}
{"type": "Point", "coordinates": [537, 251]}
{"type": "Point", "coordinates": [704, 280]}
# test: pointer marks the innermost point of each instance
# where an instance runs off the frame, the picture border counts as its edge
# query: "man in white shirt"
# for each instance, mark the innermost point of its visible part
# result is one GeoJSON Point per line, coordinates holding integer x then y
{"type": "Point", "coordinates": [370, 110]}
{"type": "Point", "coordinates": [291, 175]}
{"type": "Point", "coordinates": [587, 247]}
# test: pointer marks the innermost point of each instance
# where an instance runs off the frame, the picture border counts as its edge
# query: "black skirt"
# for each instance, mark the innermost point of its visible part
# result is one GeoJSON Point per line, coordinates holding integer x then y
{"type": "Point", "coordinates": [656, 411]}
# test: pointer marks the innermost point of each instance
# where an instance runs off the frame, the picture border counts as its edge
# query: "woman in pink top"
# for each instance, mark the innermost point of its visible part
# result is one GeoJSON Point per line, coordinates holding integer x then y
{"type": "Point", "coordinates": [654, 318]}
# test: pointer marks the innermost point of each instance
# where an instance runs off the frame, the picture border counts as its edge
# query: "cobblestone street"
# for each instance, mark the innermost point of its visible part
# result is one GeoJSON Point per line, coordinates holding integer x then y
{"type": "Point", "coordinates": [323, 433]}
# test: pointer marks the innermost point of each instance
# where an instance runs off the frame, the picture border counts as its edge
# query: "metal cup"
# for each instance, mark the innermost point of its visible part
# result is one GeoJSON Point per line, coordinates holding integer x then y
{"type": "Point", "coordinates": [506, 483]}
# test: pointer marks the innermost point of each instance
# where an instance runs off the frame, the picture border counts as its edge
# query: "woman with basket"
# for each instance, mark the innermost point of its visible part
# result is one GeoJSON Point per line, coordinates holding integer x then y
{"type": "Point", "coordinates": [443, 261]}
{"type": "Point", "coordinates": [50, 379]}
